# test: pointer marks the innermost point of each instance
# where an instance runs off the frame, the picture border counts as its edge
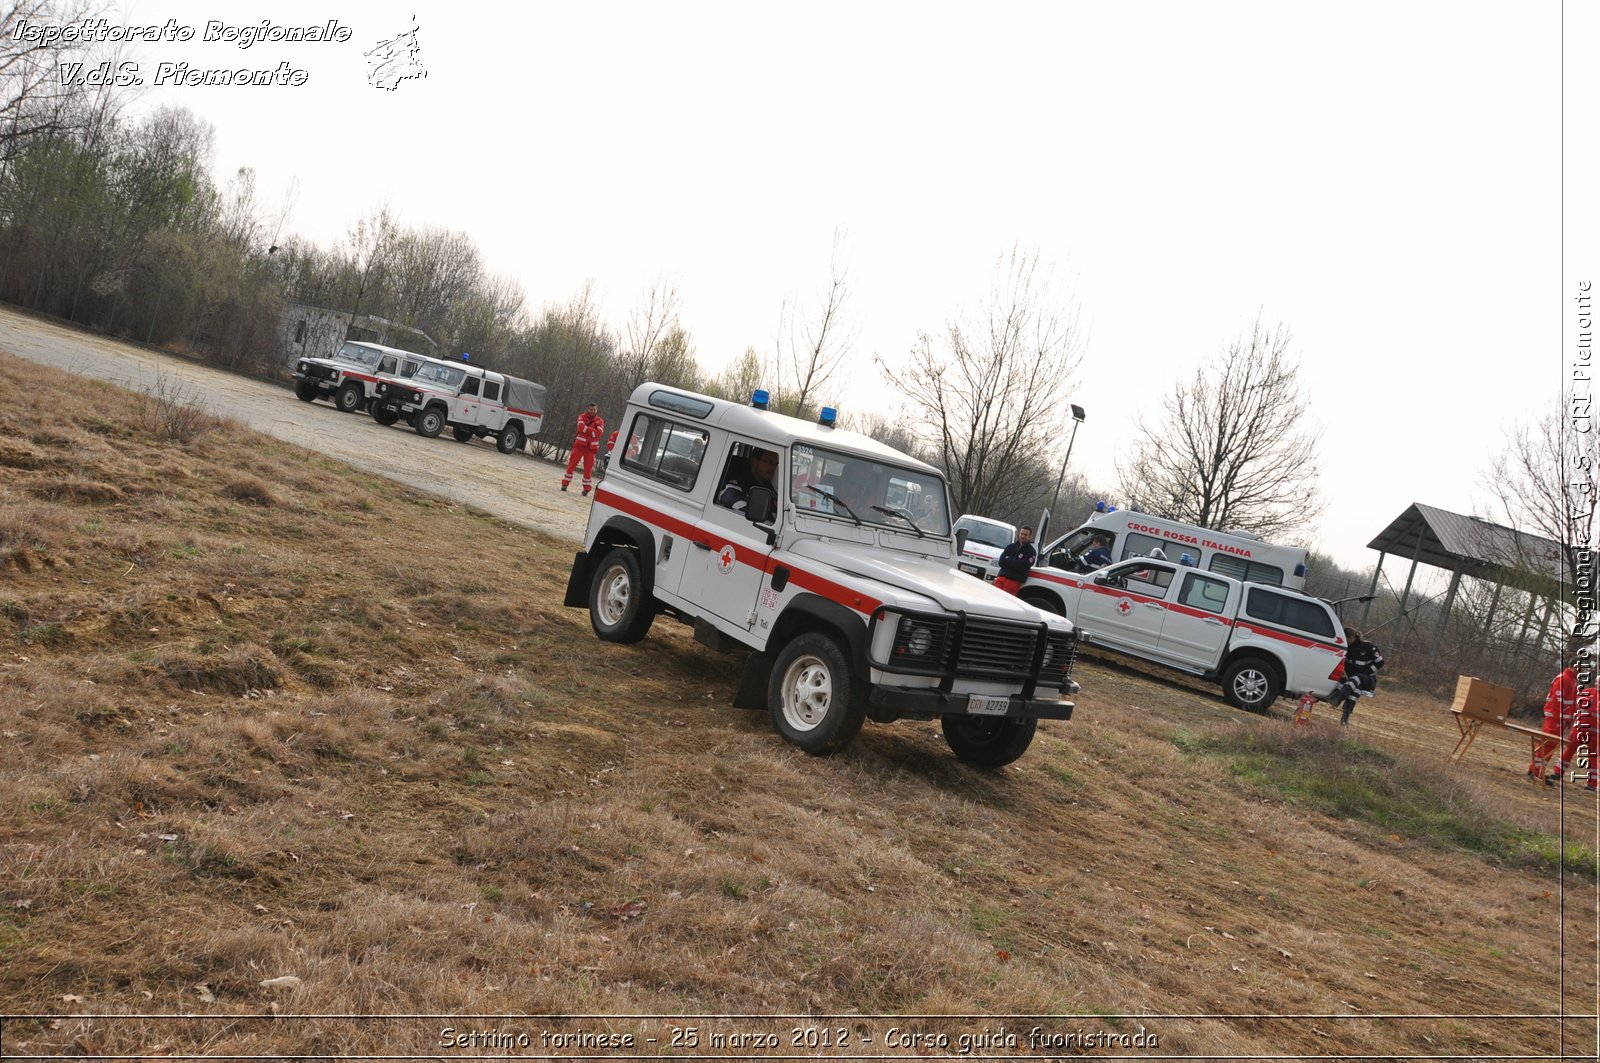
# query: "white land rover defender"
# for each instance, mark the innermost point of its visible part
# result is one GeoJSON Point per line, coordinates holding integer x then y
{"type": "Point", "coordinates": [350, 376]}
{"type": "Point", "coordinates": [471, 400]}
{"type": "Point", "coordinates": [837, 573]}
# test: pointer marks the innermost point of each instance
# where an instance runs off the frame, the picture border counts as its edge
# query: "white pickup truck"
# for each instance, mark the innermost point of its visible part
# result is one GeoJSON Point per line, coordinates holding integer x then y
{"type": "Point", "coordinates": [1258, 641]}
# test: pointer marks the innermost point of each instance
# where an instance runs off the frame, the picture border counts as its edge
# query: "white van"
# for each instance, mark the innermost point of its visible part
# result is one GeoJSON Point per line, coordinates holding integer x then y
{"type": "Point", "coordinates": [1241, 555]}
{"type": "Point", "coordinates": [985, 539]}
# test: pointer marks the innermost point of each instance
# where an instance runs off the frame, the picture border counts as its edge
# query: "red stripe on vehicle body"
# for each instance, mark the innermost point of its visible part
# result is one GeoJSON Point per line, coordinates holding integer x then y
{"type": "Point", "coordinates": [762, 562]}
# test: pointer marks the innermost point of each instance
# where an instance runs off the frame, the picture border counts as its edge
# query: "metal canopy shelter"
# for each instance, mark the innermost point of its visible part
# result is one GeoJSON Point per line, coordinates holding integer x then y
{"type": "Point", "coordinates": [1471, 546]}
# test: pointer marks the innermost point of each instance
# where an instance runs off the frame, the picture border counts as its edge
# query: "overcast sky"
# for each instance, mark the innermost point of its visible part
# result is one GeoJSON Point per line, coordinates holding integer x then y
{"type": "Point", "coordinates": [1382, 178]}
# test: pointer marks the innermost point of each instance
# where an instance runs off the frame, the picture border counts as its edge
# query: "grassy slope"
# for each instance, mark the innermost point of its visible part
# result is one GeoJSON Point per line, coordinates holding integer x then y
{"type": "Point", "coordinates": [264, 715]}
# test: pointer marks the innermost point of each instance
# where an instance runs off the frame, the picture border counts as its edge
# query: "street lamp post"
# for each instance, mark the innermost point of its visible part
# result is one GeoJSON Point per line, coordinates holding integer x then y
{"type": "Point", "coordinates": [1077, 419]}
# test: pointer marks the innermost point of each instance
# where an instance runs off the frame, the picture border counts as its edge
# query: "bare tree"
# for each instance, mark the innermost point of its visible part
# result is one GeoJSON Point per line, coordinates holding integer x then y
{"type": "Point", "coordinates": [1544, 480]}
{"type": "Point", "coordinates": [35, 99]}
{"type": "Point", "coordinates": [649, 326]}
{"type": "Point", "coordinates": [371, 243]}
{"type": "Point", "coordinates": [810, 350]}
{"type": "Point", "coordinates": [989, 388]}
{"type": "Point", "coordinates": [740, 380]}
{"type": "Point", "coordinates": [1235, 447]}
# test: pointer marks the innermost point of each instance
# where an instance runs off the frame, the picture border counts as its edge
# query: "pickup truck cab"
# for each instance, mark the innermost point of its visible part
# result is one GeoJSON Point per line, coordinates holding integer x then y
{"type": "Point", "coordinates": [836, 576]}
{"type": "Point", "coordinates": [349, 377]}
{"type": "Point", "coordinates": [468, 399]}
{"type": "Point", "coordinates": [1258, 641]}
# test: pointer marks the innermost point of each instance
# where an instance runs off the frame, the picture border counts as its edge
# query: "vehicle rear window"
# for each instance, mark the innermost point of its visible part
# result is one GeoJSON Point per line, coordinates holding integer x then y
{"type": "Point", "coordinates": [664, 450]}
{"type": "Point", "coordinates": [1270, 607]}
{"type": "Point", "coordinates": [1245, 571]}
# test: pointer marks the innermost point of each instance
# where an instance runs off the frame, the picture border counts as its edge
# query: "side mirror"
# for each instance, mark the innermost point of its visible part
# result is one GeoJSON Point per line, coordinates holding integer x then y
{"type": "Point", "coordinates": [961, 540]}
{"type": "Point", "coordinates": [761, 505]}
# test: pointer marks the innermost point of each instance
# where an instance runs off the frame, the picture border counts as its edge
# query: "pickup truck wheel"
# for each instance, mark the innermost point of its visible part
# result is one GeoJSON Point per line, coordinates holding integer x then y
{"type": "Point", "coordinates": [619, 604]}
{"type": "Point", "coordinates": [811, 695]}
{"type": "Point", "coordinates": [988, 741]}
{"type": "Point", "coordinates": [384, 415]}
{"type": "Point", "coordinates": [509, 441]}
{"type": "Point", "coordinates": [305, 391]}
{"type": "Point", "coordinates": [429, 422]}
{"type": "Point", "coordinates": [1251, 683]}
{"type": "Point", "coordinates": [349, 398]}
{"type": "Point", "coordinates": [1041, 600]}
{"type": "Point", "coordinates": [463, 435]}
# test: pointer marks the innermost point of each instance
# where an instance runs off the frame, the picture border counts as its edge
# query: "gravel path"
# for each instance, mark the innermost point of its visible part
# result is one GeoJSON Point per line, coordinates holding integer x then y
{"type": "Point", "coordinates": [516, 487]}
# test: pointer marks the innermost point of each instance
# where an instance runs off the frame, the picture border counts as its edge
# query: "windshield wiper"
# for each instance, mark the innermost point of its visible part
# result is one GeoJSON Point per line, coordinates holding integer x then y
{"type": "Point", "coordinates": [903, 515]}
{"type": "Point", "coordinates": [835, 499]}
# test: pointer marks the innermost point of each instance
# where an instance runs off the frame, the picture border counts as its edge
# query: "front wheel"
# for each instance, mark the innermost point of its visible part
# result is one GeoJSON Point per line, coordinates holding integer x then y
{"type": "Point", "coordinates": [811, 695]}
{"type": "Point", "coordinates": [429, 422]}
{"type": "Point", "coordinates": [619, 606]}
{"type": "Point", "coordinates": [349, 398]}
{"type": "Point", "coordinates": [384, 415]}
{"type": "Point", "coordinates": [1041, 600]}
{"type": "Point", "coordinates": [305, 391]}
{"type": "Point", "coordinates": [988, 741]}
{"type": "Point", "coordinates": [463, 435]}
{"type": "Point", "coordinates": [1251, 683]}
{"type": "Point", "coordinates": [509, 441]}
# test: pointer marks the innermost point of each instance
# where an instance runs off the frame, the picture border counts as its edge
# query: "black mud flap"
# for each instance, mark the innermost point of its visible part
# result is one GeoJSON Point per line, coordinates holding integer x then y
{"type": "Point", "coordinates": [752, 692]}
{"type": "Point", "coordinates": [578, 582]}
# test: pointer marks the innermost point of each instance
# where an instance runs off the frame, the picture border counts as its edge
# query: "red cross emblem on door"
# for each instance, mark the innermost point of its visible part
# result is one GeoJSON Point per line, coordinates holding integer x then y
{"type": "Point", "coordinates": [725, 558]}
{"type": "Point", "coordinates": [1124, 607]}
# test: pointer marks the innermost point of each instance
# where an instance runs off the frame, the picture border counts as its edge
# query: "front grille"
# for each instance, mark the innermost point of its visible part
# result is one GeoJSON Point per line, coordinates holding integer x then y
{"type": "Point", "coordinates": [990, 649]}
{"type": "Point", "coordinates": [322, 372]}
{"type": "Point", "coordinates": [1060, 654]}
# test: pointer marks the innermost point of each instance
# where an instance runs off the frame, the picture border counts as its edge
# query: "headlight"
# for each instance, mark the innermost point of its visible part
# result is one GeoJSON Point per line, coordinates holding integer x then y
{"type": "Point", "coordinates": [920, 640]}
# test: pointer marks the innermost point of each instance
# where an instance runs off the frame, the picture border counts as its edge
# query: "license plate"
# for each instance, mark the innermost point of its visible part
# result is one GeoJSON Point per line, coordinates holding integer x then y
{"type": "Point", "coordinates": [984, 705]}
{"type": "Point", "coordinates": [973, 570]}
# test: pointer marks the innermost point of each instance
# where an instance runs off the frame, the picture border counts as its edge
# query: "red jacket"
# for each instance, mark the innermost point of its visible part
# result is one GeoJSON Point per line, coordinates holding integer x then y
{"type": "Point", "coordinates": [591, 426]}
{"type": "Point", "coordinates": [1560, 703]}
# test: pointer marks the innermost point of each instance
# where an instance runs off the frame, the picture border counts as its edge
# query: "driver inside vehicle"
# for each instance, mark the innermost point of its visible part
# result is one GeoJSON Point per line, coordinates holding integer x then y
{"type": "Point", "coordinates": [858, 488]}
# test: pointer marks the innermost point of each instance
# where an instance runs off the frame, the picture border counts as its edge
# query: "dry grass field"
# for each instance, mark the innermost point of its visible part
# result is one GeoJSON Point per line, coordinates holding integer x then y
{"type": "Point", "coordinates": [289, 748]}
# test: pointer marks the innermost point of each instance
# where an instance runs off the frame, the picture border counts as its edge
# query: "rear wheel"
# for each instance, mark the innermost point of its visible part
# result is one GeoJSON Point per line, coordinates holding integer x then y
{"type": "Point", "coordinates": [429, 422]}
{"type": "Point", "coordinates": [305, 391]}
{"type": "Point", "coordinates": [509, 441]}
{"type": "Point", "coordinates": [463, 435]}
{"type": "Point", "coordinates": [1041, 600]}
{"type": "Point", "coordinates": [620, 609]}
{"type": "Point", "coordinates": [811, 695]}
{"type": "Point", "coordinates": [988, 741]}
{"type": "Point", "coordinates": [1251, 683]}
{"type": "Point", "coordinates": [350, 397]}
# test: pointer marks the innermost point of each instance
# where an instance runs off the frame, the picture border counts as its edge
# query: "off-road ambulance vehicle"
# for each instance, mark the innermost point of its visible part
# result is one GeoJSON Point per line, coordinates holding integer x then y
{"type": "Point", "coordinates": [838, 576]}
{"type": "Point", "coordinates": [470, 400]}
{"type": "Point", "coordinates": [350, 376]}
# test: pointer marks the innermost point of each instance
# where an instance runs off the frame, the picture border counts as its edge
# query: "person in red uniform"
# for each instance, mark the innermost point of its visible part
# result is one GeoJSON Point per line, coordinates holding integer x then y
{"type": "Point", "coordinates": [1581, 739]}
{"type": "Point", "coordinates": [585, 446]}
{"type": "Point", "coordinates": [1559, 705]}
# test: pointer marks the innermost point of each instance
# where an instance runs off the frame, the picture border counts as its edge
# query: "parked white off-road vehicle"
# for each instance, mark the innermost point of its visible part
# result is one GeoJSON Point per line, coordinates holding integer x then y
{"type": "Point", "coordinates": [469, 400]}
{"type": "Point", "coordinates": [350, 376]}
{"type": "Point", "coordinates": [839, 576]}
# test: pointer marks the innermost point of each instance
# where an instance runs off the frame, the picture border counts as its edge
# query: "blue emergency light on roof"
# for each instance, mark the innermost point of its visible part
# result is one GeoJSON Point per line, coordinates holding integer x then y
{"type": "Point", "coordinates": [1101, 507]}
{"type": "Point", "coordinates": [828, 417]}
{"type": "Point", "coordinates": [465, 357]}
{"type": "Point", "coordinates": [759, 398]}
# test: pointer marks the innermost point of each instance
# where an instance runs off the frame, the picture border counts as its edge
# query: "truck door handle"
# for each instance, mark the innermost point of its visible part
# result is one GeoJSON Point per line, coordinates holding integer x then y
{"type": "Point", "coordinates": [1214, 620]}
{"type": "Point", "coordinates": [1152, 605]}
{"type": "Point", "coordinates": [701, 545]}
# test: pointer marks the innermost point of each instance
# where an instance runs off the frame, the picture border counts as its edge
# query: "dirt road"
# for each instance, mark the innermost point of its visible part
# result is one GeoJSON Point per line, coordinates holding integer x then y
{"type": "Point", "coordinates": [516, 487]}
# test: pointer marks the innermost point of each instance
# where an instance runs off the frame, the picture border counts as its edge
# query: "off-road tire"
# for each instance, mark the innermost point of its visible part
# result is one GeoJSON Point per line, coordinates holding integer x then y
{"type": "Point", "coordinates": [429, 422]}
{"type": "Point", "coordinates": [1251, 683]}
{"type": "Point", "coordinates": [463, 435]}
{"type": "Point", "coordinates": [988, 741]}
{"type": "Point", "coordinates": [305, 391]}
{"type": "Point", "coordinates": [811, 695]}
{"type": "Point", "coordinates": [509, 441]}
{"type": "Point", "coordinates": [349, 398]}
{"type": "Point", "coordinates": [620, 606]}
{"type": "Point", "coordinates": [1041, 600]}
{"type": "Point", "coordinates": [384, 415]}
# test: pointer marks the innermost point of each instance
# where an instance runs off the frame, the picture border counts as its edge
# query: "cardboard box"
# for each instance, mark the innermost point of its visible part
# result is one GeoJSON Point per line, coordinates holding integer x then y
{"type": "Point", "coordinates": [1479, 700]}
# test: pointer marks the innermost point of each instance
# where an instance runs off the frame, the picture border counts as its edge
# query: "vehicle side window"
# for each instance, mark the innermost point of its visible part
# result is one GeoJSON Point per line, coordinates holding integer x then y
{"type": "Point", "coordinates": [1203, 592]}
{"type": "Point", "coordinates": [491, 390]}
{"type": "Point", "coordinates": [665, 450]}
{"type": "Point", "coordinates": [1273, 608]}
{"type": "Point", "coordinates": [1245, 571]}
{"type": "Point", "coordinates": [1136, 545]}
{"type": "Point", "coordinates": [469, 386]}
{"type": "Point", "coordinates": [387, 365]}
{"type": "Point", "coordinates": [1153, 580]}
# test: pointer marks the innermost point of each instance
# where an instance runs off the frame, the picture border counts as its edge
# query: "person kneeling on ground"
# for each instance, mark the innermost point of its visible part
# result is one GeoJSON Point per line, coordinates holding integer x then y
{"type": "Point", "coordinates": [1362, 659]}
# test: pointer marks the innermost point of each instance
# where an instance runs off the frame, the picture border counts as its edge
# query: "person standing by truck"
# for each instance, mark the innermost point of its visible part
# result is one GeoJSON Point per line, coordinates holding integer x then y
{"type": "Point", "coordinates": [1362, 659]}
{"type": "Point", "coordinates": [585, 446]}
{"type": "Point", "coordinates": [1016, 561]}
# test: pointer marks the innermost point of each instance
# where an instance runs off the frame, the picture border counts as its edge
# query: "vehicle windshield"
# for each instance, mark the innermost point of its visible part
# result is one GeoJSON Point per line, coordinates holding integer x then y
{"type": "Point", "coordinates": [873, 491]}
{"type": "Point", "coordinates": [439, 373]}
{"type": "Point", "coordinates": [355, 352]}
{"type": "Point", "coordinates": [986, 532]}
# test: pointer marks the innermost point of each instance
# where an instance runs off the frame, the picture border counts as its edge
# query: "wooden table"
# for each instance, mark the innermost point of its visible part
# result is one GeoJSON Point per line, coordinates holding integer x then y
{"type": "Point", "coordinates": [1469, 726]}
